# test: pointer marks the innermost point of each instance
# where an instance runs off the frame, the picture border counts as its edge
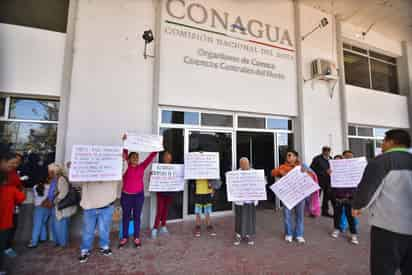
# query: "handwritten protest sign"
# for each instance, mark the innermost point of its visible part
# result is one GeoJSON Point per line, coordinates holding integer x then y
{"type": "Point", "coordinates": [167, 178]}
{"type": "Point", "coordinates": [95, 163]}
{"type": "Point", "coordinates": [202, 165]}
{"type": "Point", "coordinates": [143, 143]}
{"type": "Point", "coordinates": [294, 187]}
{"type": "Point", "coordinates": [247, 185]}
{"type": "Point", "coordinates": [347, 172]}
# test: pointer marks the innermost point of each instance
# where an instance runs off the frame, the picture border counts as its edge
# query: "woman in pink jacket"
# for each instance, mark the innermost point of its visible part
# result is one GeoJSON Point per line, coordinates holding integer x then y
{"type": "Point", "coordinates": [132, 197]}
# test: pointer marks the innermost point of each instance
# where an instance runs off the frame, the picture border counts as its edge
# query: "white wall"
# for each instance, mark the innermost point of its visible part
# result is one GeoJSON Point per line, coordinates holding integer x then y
{"type": "Point", "coordinates": [31, 60]}
{"type": "Point", "coordinates": [182, 84]}
{"type": "Point", "coordinates": [321, 113]}
{"type": "Point", "coordinates": [374, 108]}
{"type": "Point", "coordinates": [111, 86]}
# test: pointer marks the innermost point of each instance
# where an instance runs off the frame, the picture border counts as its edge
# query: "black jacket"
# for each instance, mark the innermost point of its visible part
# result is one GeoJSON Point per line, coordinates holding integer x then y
{"type": "Point", "coordinates": [321, 165]}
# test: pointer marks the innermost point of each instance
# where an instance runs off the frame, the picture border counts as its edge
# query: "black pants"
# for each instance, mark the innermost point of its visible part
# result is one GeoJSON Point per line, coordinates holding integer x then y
{"type": "Point", "coordinates": [4, 234]}
{"type": "Point", "coordinates": [327, 196]}
{"type": "Point", "coordinates": [389, 252]}
{"type": "Point", "coordinates": [340, 206]}
{"type": "Point", "coordinates": [12, 232]}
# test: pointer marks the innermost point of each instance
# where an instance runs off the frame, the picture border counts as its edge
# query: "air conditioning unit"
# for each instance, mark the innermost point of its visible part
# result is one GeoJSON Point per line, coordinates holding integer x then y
{"type": "Point", "coordinates": [324, 70]}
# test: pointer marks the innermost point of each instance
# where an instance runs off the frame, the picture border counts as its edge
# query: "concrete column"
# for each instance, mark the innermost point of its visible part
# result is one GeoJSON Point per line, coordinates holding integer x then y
{"type": "Point", "coordinates": [407, 73]}
{"type": "Point", "coordinates": [342, 85]}
{"type": "Point", "coordinates": [299, 129]}
{"type": "Point", "coordinates": [66, 81]}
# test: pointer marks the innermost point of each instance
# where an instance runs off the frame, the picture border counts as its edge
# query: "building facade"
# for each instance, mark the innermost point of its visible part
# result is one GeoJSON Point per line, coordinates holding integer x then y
{"type": "Point", "coordinates": [228, 76]}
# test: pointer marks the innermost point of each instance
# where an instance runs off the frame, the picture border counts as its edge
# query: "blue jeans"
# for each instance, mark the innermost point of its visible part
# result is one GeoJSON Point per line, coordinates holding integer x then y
{"type": "Point", "coordinates": [102, 217]}
{"type": "Point", "coordinates": [40, 218]}
{"type": "Point", "coordinates": [296, 231]}
{"type": "Point", "coordinates": [60, 229]}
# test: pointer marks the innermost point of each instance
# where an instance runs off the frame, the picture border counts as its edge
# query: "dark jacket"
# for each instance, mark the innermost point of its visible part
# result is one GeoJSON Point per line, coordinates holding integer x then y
{"type": "Point", "coordinates": [321, 165]}
{"type": "Point", "coordinates": [386, 189]}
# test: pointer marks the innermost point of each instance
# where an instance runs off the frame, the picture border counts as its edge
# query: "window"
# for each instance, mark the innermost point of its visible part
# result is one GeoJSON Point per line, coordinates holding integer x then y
{"type": "Point", "coordinates": [176, 117]}
{"type": "Point", "coordinates": [366, 141]}
{"type": "Point", "coordinates": [280, 124]}
{"type": "Point", "coordinates": [251, 122]}
{"type": "Point", "coordinates": [30, 125]}
{"type": "Point", "coordinates": [217, 120]}
{"type": "Point", "coordinates": [2, 106]}
{"type": "Point", "coordinates": [356, 70]}
{"type": "Point", "coordinates": [365, 131]}
{"type": "Point", "coordinates": [33, 109]}
{"type": "Point", "coordinates": [369, 69]}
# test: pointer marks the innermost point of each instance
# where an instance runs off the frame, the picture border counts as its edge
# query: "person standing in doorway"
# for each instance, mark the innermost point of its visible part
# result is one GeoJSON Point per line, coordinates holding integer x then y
{"type": "Point", "coordinates": [245, 214]}
{"type": "Point", "coordinates": [320, 164]}
{"type": "Point", "coordinates": [132, 197]}
{"type": "Point", "coordinates": [164, 200]}
{"type": "Point", "coordinates": [386, 190]}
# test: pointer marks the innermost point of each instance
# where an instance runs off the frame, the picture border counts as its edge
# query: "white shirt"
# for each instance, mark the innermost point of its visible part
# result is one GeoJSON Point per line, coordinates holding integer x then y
{"type": "Point", "coordinates": [39, 199]}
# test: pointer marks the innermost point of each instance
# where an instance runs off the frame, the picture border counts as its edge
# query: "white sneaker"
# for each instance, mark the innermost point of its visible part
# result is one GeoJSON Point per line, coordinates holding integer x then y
{"type": "Point", "coordinates": [354, 240]}
{"type": "Point", "coordinates": [300, 240]}
{"type": "Point", "coordinates": [288, 238]}
{"type": "Point", "coordinates": [237, 240]}
{"type": "Point", "coordinates": [335, 234]}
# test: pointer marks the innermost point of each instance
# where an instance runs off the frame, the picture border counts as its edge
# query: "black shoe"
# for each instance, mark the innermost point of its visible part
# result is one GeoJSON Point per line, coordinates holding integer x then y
{"type": "Point", "coordinates": [84, 258]}
{"type": "Point", "coordinates": [327, 215]}
{"type": "Point", "coordinates": [106, 252]}
{"type": "Point", "coordinates": [30, 245]}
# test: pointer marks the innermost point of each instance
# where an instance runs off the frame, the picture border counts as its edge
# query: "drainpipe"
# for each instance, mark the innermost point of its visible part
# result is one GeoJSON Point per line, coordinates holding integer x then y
{"type": "Point", "coordinates": [342, 85]}
{"type": "Point", "coordinates": [300, 131]}
{"type": "Point", "coordinates": [66, 83]}
{"type": "Point", "coordinates": [407, 57]}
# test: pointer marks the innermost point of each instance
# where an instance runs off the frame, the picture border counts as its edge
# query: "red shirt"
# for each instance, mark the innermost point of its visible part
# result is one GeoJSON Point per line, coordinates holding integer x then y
{"type": "Point", "coordinates": [10, 196]}
{"type": "Point", "coordinates": [14, 179]}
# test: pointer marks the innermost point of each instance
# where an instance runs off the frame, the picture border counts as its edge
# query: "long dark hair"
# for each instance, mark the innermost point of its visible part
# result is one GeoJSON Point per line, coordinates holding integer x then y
{"type": "Point", "coordinates": [41, 185]}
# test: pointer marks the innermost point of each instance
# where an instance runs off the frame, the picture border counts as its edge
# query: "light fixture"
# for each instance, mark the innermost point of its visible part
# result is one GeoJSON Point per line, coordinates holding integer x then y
{"type": "Point", "coordinates": [323, 23]}
{"type": "Point", "coordinates": [148, 38]}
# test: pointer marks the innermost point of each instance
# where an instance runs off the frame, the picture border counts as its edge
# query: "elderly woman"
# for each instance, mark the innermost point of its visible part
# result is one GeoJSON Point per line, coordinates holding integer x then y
{"type": "Point", "coordinates": [59, 188]}
{"type": "Point", "coordinates": [245, 214]}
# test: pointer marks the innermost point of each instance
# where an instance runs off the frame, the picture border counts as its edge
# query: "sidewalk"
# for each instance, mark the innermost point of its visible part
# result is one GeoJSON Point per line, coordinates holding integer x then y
{"type": "Point", "coordinates": [181, 253]}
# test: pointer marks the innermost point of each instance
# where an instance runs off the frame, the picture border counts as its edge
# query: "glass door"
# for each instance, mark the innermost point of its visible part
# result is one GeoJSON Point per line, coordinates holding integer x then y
{"type": "Point", "coordinates": [211, 141]}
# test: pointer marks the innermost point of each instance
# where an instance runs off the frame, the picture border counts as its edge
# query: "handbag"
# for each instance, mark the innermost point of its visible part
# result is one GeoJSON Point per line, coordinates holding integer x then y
{"type": "Point", "coordinates": [215, 184]}
{"type": "Point", "coordinates": [72, 198]}
{"type": "Point", "coordinates": [47, 203]}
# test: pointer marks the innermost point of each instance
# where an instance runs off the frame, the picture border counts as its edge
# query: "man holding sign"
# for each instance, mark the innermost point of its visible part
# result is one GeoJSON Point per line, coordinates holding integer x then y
{"type": "Point", "coordinates": [295, 185]}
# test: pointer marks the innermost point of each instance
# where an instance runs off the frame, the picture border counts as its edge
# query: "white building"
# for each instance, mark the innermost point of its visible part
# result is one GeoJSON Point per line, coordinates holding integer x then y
{"type": "Point", "coordinates": [232, 76]}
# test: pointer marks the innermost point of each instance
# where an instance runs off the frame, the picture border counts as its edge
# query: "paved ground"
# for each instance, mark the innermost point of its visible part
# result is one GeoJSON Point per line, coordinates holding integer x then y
{"type": "Point", "coordinates": [183, 254]}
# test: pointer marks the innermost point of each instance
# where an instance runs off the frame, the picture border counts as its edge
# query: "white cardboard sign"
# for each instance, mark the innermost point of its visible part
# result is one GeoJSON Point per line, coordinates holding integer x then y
{"type": "Point", "coordinates": [248, 185]}
{"type": "Point", "coordinates": [167, 178]}
{"type": "Point", "coordinates": [202, 165]}
{"type": "Point", "coordinates": [294, 187]}
{"type": "Point", "coordinates": [347, 173]}
{"type": "Point", "coordinates": [90, 163]}
{"type": "Point", "coordinates": [143, 143]}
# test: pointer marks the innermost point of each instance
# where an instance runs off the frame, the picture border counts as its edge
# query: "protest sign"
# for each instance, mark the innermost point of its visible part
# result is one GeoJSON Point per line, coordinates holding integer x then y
{"type": "Point", "coordinates": [95, 163]}
{"type": "Point", "coordinates": [167, 178]}
{"type": "Point", "coordinates": [202, 165]}
{"type": "Point", "coordinates": [247, 185]}
{"type": "Point", "coordinates": [143, 143]}
{"type": "Point", "coordinates": [294, 187]}
{"type": "Point", "coordinates": [347, 173]}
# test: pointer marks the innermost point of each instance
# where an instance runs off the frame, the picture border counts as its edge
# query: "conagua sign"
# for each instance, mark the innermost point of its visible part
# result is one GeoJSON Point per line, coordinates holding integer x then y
{"type": "Point", "coordinates": [218, 20]}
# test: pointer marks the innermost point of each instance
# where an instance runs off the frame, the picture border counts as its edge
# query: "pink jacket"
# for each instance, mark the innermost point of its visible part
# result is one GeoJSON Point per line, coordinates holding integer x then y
{"type": "Point", "coordinates": [133, 177]}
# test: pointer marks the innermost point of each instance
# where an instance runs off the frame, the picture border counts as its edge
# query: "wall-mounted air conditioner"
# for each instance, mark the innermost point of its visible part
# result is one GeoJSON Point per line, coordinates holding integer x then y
{"type": "Point", "coordinates": [324, 69]}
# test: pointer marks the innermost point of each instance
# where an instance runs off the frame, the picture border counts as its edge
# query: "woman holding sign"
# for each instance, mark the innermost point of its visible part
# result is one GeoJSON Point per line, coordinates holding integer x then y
{"type": "Point", "coordinates": [292, 161]}
{"type": "Point", "coordinates": [132, 197]}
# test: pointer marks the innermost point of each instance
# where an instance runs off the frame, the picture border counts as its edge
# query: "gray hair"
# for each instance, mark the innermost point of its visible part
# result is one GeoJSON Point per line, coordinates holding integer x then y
{"type": "Point", "coordinates": [244, 158]}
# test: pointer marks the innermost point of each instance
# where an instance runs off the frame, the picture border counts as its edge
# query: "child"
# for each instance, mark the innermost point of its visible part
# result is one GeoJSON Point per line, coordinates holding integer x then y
{"type": "Point", "coordinates": [343, 206]}
{"type": "Point", "coordinates": [164, 200]}
{"type": "Point", "coordinates": [10, 196]}
{"type": "Point", "coordinates": [203, 205]}
{"type": "Point", "coordinates": [245, 214]}
{"type": "Point", "coordinates": [132, 197]}
{"type": "Point", "coordinates": [292, 161]}
{"type": "Point", "coordinates": [41, 214]}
